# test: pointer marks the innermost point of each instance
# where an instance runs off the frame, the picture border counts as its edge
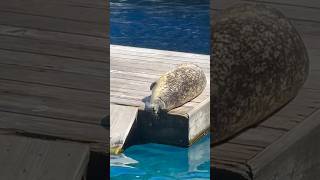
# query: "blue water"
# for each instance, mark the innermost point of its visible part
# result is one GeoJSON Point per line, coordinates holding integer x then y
{"type": "Point", "coordinates": [162, 162]}
{"type": "Point", "coordinates": [178, 25]}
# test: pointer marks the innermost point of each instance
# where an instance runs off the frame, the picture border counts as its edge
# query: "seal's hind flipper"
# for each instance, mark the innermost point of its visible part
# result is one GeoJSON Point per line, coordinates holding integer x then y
{"type": "Point", "coordinates": [153, 84]}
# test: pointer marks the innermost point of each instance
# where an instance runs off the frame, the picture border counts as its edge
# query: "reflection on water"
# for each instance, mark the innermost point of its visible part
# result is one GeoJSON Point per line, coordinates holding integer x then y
{"type": "Point", "coordinates": [161, 162]}
{"type": "Point", "coordinates": [178, 25]}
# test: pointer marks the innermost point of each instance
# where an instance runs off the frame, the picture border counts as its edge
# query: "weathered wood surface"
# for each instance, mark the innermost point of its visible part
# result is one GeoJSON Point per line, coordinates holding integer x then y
{"type": "Point", "coordinates": [122, 119]}
{"type": "Point", "coordinates": [54, 69]}
{"type": "Point", "coordinates": [243, 153]}
{"type": "Point", "coordinates": [134, 69]}
{"type": "Point", "coordinates": [24, 158]}
{"type": "Point", "coordinates": [294, 156]}
{"type": "Point", "coordinates": [132, 72]}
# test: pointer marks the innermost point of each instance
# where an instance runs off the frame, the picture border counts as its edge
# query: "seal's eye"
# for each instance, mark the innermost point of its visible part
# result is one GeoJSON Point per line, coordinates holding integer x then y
{"type": "Point", "coordinates": [152, 85]}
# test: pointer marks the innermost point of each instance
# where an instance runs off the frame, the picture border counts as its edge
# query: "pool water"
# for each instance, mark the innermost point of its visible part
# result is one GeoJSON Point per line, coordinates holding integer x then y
{"type": "Point", "coordinates": [178, 25]}
{"type": "Point", "coordinates": [162, 162]}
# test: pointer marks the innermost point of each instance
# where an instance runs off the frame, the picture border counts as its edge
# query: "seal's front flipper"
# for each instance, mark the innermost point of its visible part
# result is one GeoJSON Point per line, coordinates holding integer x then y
{"type": "Point", "coordinates": [153, 84]}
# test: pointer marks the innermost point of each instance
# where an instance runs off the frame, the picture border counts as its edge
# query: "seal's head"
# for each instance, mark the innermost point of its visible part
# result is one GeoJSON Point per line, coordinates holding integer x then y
{"type": "Point", "coordinates": [157, 105]}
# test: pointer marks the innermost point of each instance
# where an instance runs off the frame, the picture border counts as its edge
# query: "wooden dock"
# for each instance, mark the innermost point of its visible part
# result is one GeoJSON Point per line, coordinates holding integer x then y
{"type": "Point", "coordinates": [53, 72]}
{"type": "Point", "coordinates": [29, 158]}
{"type": "Point", "coordinates": [286, 145]}
{"type": "Point", "coordinates": [132, 72]}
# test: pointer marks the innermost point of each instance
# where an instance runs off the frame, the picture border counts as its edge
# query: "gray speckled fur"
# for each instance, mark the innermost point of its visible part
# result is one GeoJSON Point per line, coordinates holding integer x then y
{"type": "Point", "coordinates": [176, 87]}
{"type": "Point", "coordinates": [259, 63]}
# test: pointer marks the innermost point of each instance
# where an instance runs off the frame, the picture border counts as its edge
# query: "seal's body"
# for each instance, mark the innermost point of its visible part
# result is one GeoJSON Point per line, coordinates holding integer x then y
{"type": "Point", "coordinates": [177, 87]}
{"type": "Point", "coordinates": [259, 63]}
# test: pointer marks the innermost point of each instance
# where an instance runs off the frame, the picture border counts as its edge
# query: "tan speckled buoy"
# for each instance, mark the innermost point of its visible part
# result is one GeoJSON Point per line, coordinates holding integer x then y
{"type": "Point", "coordinates": [177, 87]}
{"type": "Point", "coordinates": [259, 63]}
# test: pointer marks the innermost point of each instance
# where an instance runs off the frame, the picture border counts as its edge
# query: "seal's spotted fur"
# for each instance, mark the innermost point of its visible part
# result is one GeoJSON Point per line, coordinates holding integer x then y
{"type": "Point", "coordinates": [176, 87]}
{"type": "Point", "coordinates": [259, 63]}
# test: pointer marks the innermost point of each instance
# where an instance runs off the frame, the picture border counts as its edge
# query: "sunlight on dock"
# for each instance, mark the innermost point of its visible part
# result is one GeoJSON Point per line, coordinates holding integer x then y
{"type": "Point", "coordinates": [132, 72]}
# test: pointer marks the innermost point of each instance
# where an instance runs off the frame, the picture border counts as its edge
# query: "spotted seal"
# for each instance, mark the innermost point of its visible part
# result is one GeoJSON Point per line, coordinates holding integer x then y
{"type": "Point", "coordinates": [177, 87]}
{"type": "Point", "coordinates": [259, 63]}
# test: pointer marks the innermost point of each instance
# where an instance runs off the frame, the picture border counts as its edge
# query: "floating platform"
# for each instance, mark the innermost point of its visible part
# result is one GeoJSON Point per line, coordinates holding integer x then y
{"type": "Point", "coordinates": [132, 72]}
{"type": "Point", "coordinates": [286, 145]}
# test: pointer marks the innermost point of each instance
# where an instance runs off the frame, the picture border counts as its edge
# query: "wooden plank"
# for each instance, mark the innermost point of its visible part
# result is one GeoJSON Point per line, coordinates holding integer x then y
{"type": "Point", "coordinates": [95, 135]}
{"type": "Point", "coordinates": [238, 168]}
{"type": "Point", "coordinates": [295, 148]}
{"type": "Point", "coordinates": [86, 3]}
{"type": "Point", "coordinates": [311, 41]}
{"type": "Point", "coordinates": [122, 119]}
{"type": "Point", "coordinates": [53, 78]}
{"type": "Point", "coordinates": [313, 81]}
{"type": "Point", "coordinates": [55, 93]}
{"type": "Point", "coordinates": [53, 48]}
{"type": "Point", "coordinates": [53, 24]}
{"type": "Point", "coordinates": [145, 70]}
{"type": "Point", "coordinates": [280, 122]}
{"type": "Point", "coordinates": [143, 73]}
{"type": "Point", "coordinates": [231, 155]}
{"type": "Point", "coordinates": [159, 59]}
{"type": "Point", "coordinates": [259, 136]}
{"type": "Point", "coordinates": [54, 63]}
{"type": "Point", "coordinates": [199, 120]}
{"type": "Point", "coordinates": [157, 66]}
{"type": "Point", "coordinates": [314, 55]}
{"type": "Point", "coordinates": [313, 4]}
{"type": "Point", "coordinates": [49, 107]}
{"type": "Point", "coordinates": [127, 102]}
{"type": "Point", "coordinates": [162, 61]}
{"type": "Point", "coordinates": [53, 36]}
{"type": "Point", "coordinates": [155, 52]}
{"type": "Point", "coordinates": [26, 158]}
{"type": "Point", "coordinates": [49, 9]}
{"type": "Point", "coordinates": [296, 111]}
{"type": "Point", "coordinates": [239, 148]}
{"type": "Point", "coordinates": [223, 4]}
{"type": "Point", "coordinates": [293, 12]}
{"type": "Point", "coordinates": [306, 27]}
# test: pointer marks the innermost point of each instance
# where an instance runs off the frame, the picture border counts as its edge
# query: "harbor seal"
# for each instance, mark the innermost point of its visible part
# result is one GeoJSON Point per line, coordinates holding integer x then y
{"type": "Point", "coordinates": [177, 87]}
{"type": "Point", "coordinates": [259, 63]}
